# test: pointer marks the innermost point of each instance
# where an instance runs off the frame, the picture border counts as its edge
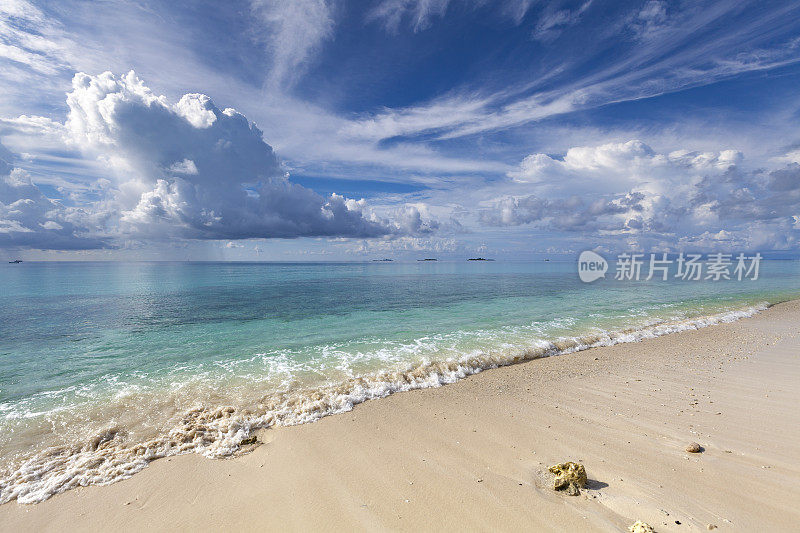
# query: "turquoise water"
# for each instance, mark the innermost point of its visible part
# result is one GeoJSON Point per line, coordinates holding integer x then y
{"type": "Point", "coordinates": [106, 366]}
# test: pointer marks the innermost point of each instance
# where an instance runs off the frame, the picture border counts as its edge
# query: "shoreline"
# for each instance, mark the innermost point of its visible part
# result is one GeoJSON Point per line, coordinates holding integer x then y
{"type": "Point", "coordinates": [465, 443]}
{"type": "Point", "coordinates": [221, 430]}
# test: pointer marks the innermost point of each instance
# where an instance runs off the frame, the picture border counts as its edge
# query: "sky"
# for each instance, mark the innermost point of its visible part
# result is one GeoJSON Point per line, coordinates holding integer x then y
{"type": "Point", "coordinates": [291, 130]}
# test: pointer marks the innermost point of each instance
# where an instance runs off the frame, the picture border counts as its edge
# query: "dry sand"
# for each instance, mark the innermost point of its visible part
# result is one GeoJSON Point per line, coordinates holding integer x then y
{"type": "Point", "coordinates": [471, 455]}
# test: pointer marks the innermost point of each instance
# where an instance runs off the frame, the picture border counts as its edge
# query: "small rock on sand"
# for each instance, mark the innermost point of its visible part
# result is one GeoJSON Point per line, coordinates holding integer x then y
{"type": "Point", "coordinates": [694, 448]}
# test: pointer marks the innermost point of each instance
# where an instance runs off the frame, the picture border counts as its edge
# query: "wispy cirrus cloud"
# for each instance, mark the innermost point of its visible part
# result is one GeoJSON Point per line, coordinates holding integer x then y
{"type": "Point", "coordinates": [29, 37]}
{"type": "Point", "coordinates": [421, 14]}
{"type": "Point", "coordinates": [552, 24]}
{"type": "Point", "coordinates": [418, 12]}
{"type": "Point", "coordinates": [669, 61]}
{"type": "Point", "coordinates": [292, 30]}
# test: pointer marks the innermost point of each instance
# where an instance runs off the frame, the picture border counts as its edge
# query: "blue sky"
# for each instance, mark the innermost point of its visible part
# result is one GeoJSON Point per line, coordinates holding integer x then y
{"type": "Point", "coordinates": [322, 129]}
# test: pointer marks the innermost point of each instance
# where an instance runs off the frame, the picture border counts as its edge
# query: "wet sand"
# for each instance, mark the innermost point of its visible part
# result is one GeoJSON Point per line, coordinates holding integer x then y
{"type": "Point", "coordinates": [474, 454]}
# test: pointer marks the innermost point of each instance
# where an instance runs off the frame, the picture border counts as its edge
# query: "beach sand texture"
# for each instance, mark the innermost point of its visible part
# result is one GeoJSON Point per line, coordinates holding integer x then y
{"type": "Point", "coordinates": [474, 455]}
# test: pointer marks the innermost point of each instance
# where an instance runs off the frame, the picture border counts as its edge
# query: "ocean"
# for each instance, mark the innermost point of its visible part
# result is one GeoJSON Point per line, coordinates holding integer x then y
{"type": "Point", "coordinates": [107, 366]}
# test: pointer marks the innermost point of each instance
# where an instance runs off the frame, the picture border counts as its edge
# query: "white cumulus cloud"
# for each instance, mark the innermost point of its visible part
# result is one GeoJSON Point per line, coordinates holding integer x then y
{"type": "Point", "coordinates": [182, 170]}
{"type": "Point", "coordinates": [28, 219]}
{"type": "Point", "coordinates": [192, 170]}
{"type": "Point", "coordinates": [629, 190]}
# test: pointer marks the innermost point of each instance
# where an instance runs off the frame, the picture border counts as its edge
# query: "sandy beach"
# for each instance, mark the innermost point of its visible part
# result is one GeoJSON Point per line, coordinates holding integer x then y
{"type": "Point", "coordinates": [473, 455]}
{"type": "Point", "coordinates": [399, 265]}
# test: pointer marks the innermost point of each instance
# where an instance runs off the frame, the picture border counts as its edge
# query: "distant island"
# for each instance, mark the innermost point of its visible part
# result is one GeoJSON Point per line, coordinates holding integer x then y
{"type": "Point", "coordinates": [15, 261]}
{"type": "Point", "coordinates": [479, 259]}
{"type": "Point", "coordinates": [427, 259]}
{"type": "Point", "coordinates": [382, 260]}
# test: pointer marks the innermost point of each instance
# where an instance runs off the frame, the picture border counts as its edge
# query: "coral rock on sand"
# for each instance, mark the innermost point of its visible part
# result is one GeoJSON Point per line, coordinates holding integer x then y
{"type": "Point", "coordinates": [569, 476]}
{"type": "Point", "coordinates": [694, 448]}
{"type": "Point", "coordinates": [641, 527]}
